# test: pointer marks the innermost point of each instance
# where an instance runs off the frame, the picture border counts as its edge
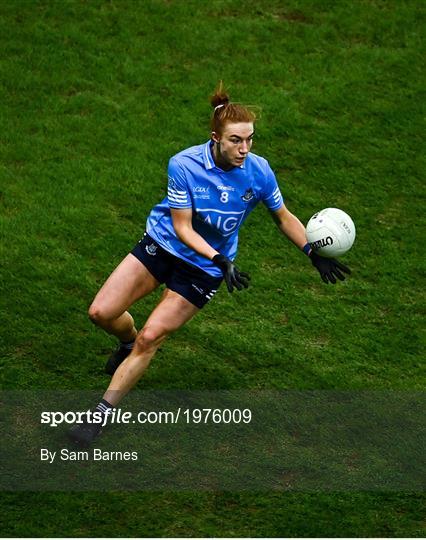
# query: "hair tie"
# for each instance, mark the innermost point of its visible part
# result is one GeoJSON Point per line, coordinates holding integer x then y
{"type": "Point", "coordinates": [219, 106]}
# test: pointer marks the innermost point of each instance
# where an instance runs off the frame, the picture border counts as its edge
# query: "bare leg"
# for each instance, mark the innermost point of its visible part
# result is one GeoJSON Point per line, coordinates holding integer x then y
{"type": "Point", "coordinates": [171, 313]}
{"type": "Point", "coordinates": [129, 282]}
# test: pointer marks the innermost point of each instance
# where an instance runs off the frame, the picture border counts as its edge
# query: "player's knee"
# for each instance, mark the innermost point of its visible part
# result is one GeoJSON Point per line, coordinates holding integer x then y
{"type": "Point", "coordinates": [150, 337]}
{"type": "Point", "coordinates": [97, 314]}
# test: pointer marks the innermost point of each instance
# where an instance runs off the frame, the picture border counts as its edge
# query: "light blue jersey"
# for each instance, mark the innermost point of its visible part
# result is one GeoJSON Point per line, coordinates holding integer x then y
{"type": "Point", "coordinates": [220, 201]}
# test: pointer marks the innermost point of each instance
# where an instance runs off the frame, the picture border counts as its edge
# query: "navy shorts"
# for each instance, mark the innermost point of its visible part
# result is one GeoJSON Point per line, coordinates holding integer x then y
{"type": "Point", "coordinates": [191, 282]}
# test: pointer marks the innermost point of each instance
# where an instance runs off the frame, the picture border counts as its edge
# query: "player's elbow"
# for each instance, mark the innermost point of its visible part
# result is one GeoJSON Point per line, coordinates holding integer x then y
{"type": "Point", "coordinates": [286, 221]}
{"type": "Point", "coordinates": [183, 231]}
{"type": "Point", "coordinates": [182, 222]}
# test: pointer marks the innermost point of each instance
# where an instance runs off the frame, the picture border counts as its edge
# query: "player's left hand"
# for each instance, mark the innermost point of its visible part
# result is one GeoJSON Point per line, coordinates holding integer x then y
{"type": "Point", "coordinates": [329, 269]}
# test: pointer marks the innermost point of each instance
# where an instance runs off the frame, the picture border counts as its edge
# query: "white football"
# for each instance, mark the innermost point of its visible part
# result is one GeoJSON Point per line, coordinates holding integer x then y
{"type": "Point", "coordinates": [331, 232]}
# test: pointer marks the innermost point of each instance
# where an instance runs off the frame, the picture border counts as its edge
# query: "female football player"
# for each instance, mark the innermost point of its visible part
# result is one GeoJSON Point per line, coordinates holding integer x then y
{"type": "Point", "coordinates": [189, 245]}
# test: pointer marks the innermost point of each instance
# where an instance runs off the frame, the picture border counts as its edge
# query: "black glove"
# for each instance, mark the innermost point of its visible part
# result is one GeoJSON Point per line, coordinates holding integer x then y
{"type": "Point", "coordinates": [233, 277]}
{"type": "Point", "coordinates": [329, 269]}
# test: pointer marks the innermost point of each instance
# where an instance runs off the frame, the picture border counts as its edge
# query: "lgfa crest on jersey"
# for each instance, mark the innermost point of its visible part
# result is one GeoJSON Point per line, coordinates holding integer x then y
{"type": "Point", "coordinates": [248, 195]}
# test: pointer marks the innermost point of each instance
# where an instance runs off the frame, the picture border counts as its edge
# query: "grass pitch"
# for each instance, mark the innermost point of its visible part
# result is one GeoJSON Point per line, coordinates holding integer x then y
{"type": "Point", "coordinates": [95, 98]}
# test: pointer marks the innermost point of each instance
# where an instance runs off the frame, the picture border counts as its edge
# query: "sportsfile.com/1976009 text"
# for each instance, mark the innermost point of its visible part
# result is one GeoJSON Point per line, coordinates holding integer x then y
{"type": "Point", "coordinates": [117, 416]}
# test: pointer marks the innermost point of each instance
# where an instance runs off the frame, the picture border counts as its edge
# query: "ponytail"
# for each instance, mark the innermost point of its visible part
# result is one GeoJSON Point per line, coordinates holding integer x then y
{"type": "Point", "coordinates": [220, 97]}
{"type": "Point", "coordinates": [227, 112]}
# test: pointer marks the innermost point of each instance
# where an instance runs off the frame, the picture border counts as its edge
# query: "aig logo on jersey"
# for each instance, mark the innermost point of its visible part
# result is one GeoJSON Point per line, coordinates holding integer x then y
{"type": "Point", "coordinates": [225, 222]}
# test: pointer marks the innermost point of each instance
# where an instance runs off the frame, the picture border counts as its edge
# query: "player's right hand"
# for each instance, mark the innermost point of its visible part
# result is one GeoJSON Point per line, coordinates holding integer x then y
{"type": "Point", "coordinates": [233, 277]}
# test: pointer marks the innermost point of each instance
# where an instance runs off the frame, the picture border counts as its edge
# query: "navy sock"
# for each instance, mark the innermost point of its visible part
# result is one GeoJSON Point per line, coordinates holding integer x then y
{"type": "Point", "coordinates": [103, 406]}
{"type": "Point", "coordinates": [127, 344]}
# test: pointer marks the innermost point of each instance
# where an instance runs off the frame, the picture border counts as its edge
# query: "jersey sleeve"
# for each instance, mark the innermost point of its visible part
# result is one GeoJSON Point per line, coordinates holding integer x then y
{"type": "Point", "coordinates": [178, 194]}
{"type": "Point", "coordinates": [271, 194]}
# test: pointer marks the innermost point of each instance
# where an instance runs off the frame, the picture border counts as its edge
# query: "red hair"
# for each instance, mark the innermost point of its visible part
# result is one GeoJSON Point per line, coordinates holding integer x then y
{"type": "Point", "coordinates": [227, 112]}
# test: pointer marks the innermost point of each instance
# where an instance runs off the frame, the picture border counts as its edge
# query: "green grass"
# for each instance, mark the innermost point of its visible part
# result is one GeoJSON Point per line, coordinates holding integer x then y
{"type": "Point", "coordinates": [94, 99]}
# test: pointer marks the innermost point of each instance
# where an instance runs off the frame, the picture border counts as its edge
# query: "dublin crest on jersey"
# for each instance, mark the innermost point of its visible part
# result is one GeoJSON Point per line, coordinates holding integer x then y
{"type": "Point", "coordinates": [248, 195]}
